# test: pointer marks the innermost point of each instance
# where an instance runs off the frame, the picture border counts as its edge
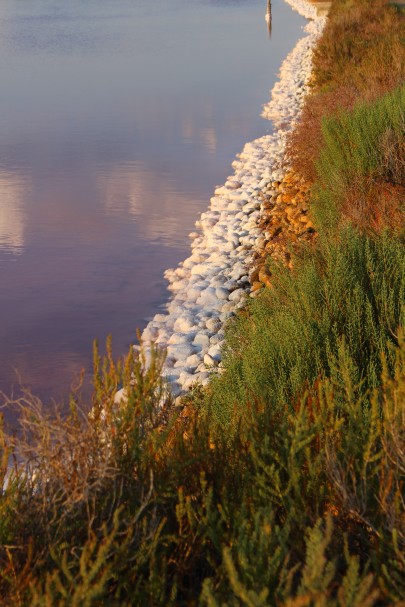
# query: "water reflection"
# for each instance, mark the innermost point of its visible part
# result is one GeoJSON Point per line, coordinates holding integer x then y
{"type": "Point", "coordinates": [125, 190]}
{"type": "Point", "coordinates": [12, 191]}
{"type": "Point", "coordinates": [117, 120]}
{"type": "Point", "coordinates": [209, 139]}
{"type": "Point", "coordinates": [194, 130]}
{"type": "Point", "coordinates": [51, 29]}
{"type": "Point", "coordinates": [269, 17]}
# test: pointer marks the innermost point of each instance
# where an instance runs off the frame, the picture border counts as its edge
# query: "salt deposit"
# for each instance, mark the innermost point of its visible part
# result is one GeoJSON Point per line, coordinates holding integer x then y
{"type": "Point", "coordinates": [213, 282]}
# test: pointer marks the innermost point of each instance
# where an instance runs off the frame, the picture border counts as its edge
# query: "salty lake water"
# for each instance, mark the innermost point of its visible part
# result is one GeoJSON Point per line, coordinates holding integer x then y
{"type": "Point", "coordinates": [117, 120]}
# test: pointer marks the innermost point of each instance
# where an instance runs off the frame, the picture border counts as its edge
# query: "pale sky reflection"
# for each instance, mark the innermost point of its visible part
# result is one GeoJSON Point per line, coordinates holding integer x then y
{"type": "Point", "coordinates": [12, 191]}
{"type": "Point", "coordinates": [209, 139]}
{"type": "Point", "coordinates": [201, 131]}
{"type": "Point", "coordinates": [149, 198]}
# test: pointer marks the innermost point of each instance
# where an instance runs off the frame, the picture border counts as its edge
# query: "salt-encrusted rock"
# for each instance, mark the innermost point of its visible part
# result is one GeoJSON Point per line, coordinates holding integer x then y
{"type": "Point", "coordinates": [183, 324]}
{"type": "Point", "coordinates": [215, 352]}
{"type": "Point", "coordinates": [179, 338]}
{"type": "Point", "coordinates": [202, 340]}
{"type": "Point", "coordinates": [207, 297]}
{"type": "Point", "coordinates": [180, 351]}
{"type": "Point", "coordinates": [209, 361]}
{"type": "Point", "coordinates": [233, 184]}
{"type": "Point", "coordinates": [215, 339]}
{"type": "Point", "coordinates": [238, 271]}
{"type": "Point", "coordinates": [237, 295]}
{"type": "Point", "coordinates": [224, 316]}
{"type": "Point", "coordinates": [202, 377]}
{"type": "Point", "coordinates": [213, 324]}
{"type": "Point", "coordinates": [120, 396]}
{"type": "Point", "coordinates": [221, 293]}
{"type": "Point", "coordinates": [193, 361]}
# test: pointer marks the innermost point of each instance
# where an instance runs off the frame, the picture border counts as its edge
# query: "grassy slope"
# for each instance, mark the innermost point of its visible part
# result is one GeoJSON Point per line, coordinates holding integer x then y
{"type": "Point", "coordinates": [283, 484]}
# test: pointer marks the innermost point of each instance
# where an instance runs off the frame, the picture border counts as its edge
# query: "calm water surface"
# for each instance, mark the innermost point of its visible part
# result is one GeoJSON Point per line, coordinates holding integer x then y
{"type": "Point", "coordinates": [117, 120]}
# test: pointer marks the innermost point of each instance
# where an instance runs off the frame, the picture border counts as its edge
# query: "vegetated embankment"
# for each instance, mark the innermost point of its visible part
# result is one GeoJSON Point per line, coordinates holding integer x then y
{"type": "Point", "coordinates": [213, 282]}
{"type": "Point", "coordinates": [282, 482]}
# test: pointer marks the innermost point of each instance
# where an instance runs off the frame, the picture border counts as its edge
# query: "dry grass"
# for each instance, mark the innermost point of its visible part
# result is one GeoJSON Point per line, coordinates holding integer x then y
{"type": "Point", "coordinates": [305, 142]}
{"type": "Point", "coordinates": [304, 505]}
{"type": "Point", "coordinates": [361, 56]}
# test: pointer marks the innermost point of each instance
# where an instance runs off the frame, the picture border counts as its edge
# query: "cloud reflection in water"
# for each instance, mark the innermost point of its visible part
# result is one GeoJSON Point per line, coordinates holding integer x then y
{"type": "Point", "coordinates": [13, 189]}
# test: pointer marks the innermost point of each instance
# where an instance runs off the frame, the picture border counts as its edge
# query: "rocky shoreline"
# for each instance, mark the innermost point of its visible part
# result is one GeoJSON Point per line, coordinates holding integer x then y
{"type": "Point", "coordinates": [249, 217]}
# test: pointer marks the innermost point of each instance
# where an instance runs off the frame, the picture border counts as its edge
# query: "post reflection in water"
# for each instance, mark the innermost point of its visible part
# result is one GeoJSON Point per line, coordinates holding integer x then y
{"type": "Point", "coordinates": [269, 17]}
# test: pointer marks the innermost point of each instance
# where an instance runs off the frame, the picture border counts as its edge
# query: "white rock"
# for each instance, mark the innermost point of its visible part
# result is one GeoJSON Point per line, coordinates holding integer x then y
{"type": "Point", "coordinates": [221, 293]}
{"type": "Point", "coordinates": [190, 382]}
{"type": "Point", "coordinates": [201, 339]}
{"type": "Point", "coordinates": [184, 376]}
{"type": "Point", "coordinates": [213, 324]}
{"type": "Point", "coordinates": [193, 293]}
{"type": "Point", "coordinates": [214, 340]}
{"type": "Point", "coordinates": [193, 361]}
{"type": "Point", "coordinates": [238, 271]}
{"type": "Point", "coordinates": [150, 334]}
{"type": "Point", "coordinates": [207, 297]}
{"type": "Point", "coordinates": [202, 377]}
{"type": "Point", "coordinates": [209, 361]}
{"type": "Point", "coordinates": [233, 184]}
{"type": "Point", "coordinates": [180, 338]}
{"type": "Point", "coordinates": [180, 351]}
{"type": "Point", "coordinates": [225, 315]}
{"type": "Point", "coordinates": [169, 362]}
{"type": "Point", "coordinates": [120, 397]}
{"type": "Point", "coordinates": [159, 318]}
{"type": "Point", "coordinates": [215, 352]}
{"type": "Point", "coordinates": [183, 324]}
{"type": "Point", "coordinates": [237, 295]}
{"type": "Point", "coordinates": [173, 375]}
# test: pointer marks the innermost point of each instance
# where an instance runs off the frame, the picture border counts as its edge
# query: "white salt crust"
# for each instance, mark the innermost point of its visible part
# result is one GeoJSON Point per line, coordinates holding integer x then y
{"type": "Point", "coordinates": [212, 283]}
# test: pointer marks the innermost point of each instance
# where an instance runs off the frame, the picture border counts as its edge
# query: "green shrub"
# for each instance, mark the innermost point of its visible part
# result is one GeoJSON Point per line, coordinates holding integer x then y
{"type": "Point", "coordinates": [348, 295]}
{"type": "Point", "coordinates": [362, 148]}
{"type": "Point", "coordinates": [350, 65]}
{"type": "Point", "coordinates": [322, 519]}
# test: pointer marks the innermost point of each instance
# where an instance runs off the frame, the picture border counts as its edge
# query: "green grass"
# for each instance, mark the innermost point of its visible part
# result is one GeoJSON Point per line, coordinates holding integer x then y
{"type": "Point", "coordinates": [362, 148]}
{"type": "Point", "coordinates": [359, 58]}
{"type": "Point", "coordinates": [347, 297]}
